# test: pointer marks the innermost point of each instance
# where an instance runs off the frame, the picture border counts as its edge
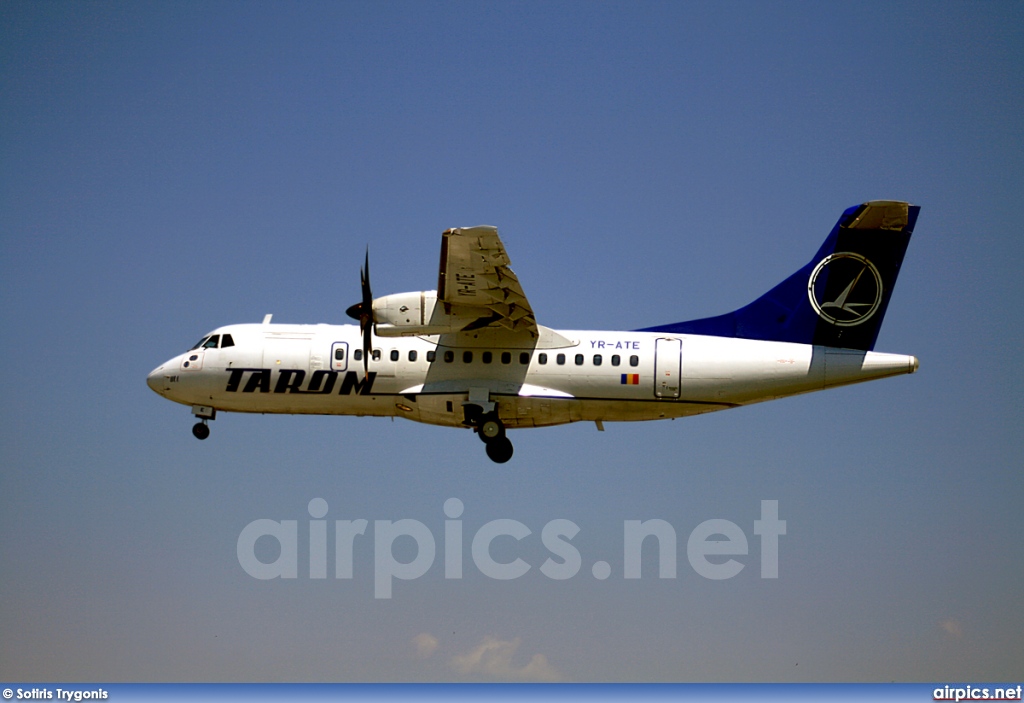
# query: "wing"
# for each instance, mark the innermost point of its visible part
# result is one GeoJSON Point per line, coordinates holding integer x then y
{"type": "Point", "coordinates": [475, 281]}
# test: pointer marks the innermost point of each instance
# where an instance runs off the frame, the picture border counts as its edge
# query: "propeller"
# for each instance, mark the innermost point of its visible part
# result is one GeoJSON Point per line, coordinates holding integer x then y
{"type": "Point", "coordinates": [363, 311]}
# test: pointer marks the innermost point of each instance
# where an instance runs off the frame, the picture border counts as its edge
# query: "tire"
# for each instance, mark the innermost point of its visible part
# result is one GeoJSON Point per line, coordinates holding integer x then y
{"type": "Point", "coordinates": [201, 430]}
{"type": "Point", "coordinates": [499, 450]}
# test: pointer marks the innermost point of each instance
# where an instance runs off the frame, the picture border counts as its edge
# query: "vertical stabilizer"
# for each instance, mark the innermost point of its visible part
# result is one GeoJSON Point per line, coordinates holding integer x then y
{"type": "Point", "coordinates": [839, 298]}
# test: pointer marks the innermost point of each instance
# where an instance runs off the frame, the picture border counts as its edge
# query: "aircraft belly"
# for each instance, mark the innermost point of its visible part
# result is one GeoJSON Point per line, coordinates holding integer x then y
{"type": "Point", "coordinates": [515, 411]}
{"type": "Point", "coordinates": [538, 411]}
{"type": "Point", "coordinates": [640, 410]}
{"type": "Point", "coordinates": [292, 404]}
{"type": "Point", "coordinates": [443, 409]}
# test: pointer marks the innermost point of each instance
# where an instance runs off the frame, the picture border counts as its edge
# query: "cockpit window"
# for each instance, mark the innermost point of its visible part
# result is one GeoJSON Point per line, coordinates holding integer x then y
{"type": "Point", "coordinates": [199, 343]}
{"type": "Point", "coordinates": [212, 342]}
{"type": "Point", "coordinates": [226, 341]}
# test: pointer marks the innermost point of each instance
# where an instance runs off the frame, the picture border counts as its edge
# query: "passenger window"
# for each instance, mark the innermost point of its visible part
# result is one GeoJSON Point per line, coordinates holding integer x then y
{"type": "Point", "coordinates": [226, 341]}
{"type": "Point", "coordinates": [542, 359]}
{"type": "Point", "coordinates": [487, 357]}
{"type": "Point", "coordinates": [560, 359]}
{"type": "Point", "coordinates": [394, 355]}
{"type": "Point", "coordinates": [467, 357]}
{"type": "Point", "coordinates": [431, 355]}
{"type": "Point", "coordinates": [357, 355]}
{"type": "Point", "coordinates": [212, 342]}
{"type": "Point", "coordinates": [634, 360]}
{"type": "Point", "coordinates": [376, 354]}
{"type": "Point", "coordinates": [412, 355]}
{"type": "Point", "coordinates": [615, 359]}
{"type": "Point", "coordinates": [339, 354]}
{"type": "Point", "coordinates": [524, 358]}
{"type": "Point", "coordinates": [506, 357]}
{"type": "Point", "coordinates": [579, 360]}
{"type": "Point", "coordinates": [597, 359]}
{"type": "Point", "coordinates": [449, 356]}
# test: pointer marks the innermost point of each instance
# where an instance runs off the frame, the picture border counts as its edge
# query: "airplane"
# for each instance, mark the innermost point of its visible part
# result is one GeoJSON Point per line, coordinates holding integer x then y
{"type": "Point", "coordinates": [472, 355]}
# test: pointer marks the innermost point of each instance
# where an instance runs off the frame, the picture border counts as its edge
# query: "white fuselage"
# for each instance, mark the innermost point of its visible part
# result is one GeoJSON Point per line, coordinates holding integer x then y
{"type": "Point", "coordinates": [568, 376]}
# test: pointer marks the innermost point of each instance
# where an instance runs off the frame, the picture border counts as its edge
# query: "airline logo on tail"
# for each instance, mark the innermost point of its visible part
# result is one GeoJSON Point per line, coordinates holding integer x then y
{"type": "Point", "coordinates": [851, 291]}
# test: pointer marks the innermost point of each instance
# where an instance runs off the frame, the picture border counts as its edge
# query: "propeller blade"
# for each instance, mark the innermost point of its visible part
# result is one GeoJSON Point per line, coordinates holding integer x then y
{"type": "Point", "coordinates": [366, 319]}
{"type": "Point", "coordinates": [363, 310]}
{"type": "Point", "coordinates": [367, 342]}
{"type": "Point", "coordinates": [364, 279]}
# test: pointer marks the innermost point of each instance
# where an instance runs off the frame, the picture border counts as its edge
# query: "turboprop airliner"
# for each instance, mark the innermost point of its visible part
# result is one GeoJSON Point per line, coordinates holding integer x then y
{"type": "Point", "coordinates": [472, 355]}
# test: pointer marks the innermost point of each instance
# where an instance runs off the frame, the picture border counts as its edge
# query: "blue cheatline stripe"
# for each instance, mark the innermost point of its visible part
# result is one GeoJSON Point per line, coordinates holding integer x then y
{"type": "Point", "coordinates": [145, 693]}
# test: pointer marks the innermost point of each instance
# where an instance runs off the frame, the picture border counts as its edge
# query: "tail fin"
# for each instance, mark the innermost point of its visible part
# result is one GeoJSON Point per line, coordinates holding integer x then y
{"type": "Point", "coordinates": [836, 300]}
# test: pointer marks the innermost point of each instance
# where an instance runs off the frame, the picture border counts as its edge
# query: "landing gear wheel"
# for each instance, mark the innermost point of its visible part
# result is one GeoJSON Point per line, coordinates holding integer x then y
{"type": "Point", "coordinates": [499, 450]}
{"type": "Point", "coordinates": [201, 430]}
{"type": "Point", "coordinates": [491, 429]}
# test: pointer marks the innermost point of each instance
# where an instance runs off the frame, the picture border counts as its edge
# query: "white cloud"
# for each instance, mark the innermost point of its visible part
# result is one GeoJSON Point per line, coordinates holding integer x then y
{"type": "Point", "coordinates": [492, 658]}
{"type": "Point", "coordinates": [425, 643]}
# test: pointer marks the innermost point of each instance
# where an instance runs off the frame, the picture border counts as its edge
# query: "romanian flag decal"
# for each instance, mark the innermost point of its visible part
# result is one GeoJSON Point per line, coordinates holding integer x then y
{"type": "Point", "coordinates": [631, 379]}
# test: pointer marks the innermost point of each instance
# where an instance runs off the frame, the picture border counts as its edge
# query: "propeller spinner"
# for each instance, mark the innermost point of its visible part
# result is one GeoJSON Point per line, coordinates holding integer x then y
{"type": "Point", "coordinates": [363, 311]}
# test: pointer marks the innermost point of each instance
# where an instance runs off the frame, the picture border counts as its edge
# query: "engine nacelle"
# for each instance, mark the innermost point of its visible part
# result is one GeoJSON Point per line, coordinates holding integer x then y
{"type": "Point", "coordinates": [414, 314]}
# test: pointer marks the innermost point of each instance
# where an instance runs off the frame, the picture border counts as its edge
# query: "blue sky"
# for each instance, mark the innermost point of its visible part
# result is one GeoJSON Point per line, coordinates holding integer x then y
{"type": "Point", "coordinates": [166, 168]}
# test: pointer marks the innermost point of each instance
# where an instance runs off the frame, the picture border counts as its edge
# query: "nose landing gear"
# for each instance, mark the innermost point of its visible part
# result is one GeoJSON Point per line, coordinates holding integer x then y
{"type": "Point", "coordinates": [204, 413]}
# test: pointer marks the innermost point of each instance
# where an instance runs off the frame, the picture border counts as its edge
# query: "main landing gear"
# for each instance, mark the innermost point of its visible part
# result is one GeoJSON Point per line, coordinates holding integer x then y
{"type": "Point", "coordinates": [204, 413]}
{"type": "Point", "coordinates": [491, 431]}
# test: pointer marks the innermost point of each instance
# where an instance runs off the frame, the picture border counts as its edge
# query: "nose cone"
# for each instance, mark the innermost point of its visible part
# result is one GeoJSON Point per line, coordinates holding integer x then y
{"type": "Point", "coordinates": [156, 380]}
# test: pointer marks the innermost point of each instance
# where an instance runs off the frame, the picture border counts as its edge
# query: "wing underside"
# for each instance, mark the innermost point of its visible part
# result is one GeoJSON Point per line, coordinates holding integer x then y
{"type": "Point", "coordinates": [475, 280]}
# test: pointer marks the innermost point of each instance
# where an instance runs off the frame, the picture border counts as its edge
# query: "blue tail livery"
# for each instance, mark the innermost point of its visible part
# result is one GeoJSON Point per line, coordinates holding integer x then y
{"type": "Point", "coordinates": [839, 298]}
